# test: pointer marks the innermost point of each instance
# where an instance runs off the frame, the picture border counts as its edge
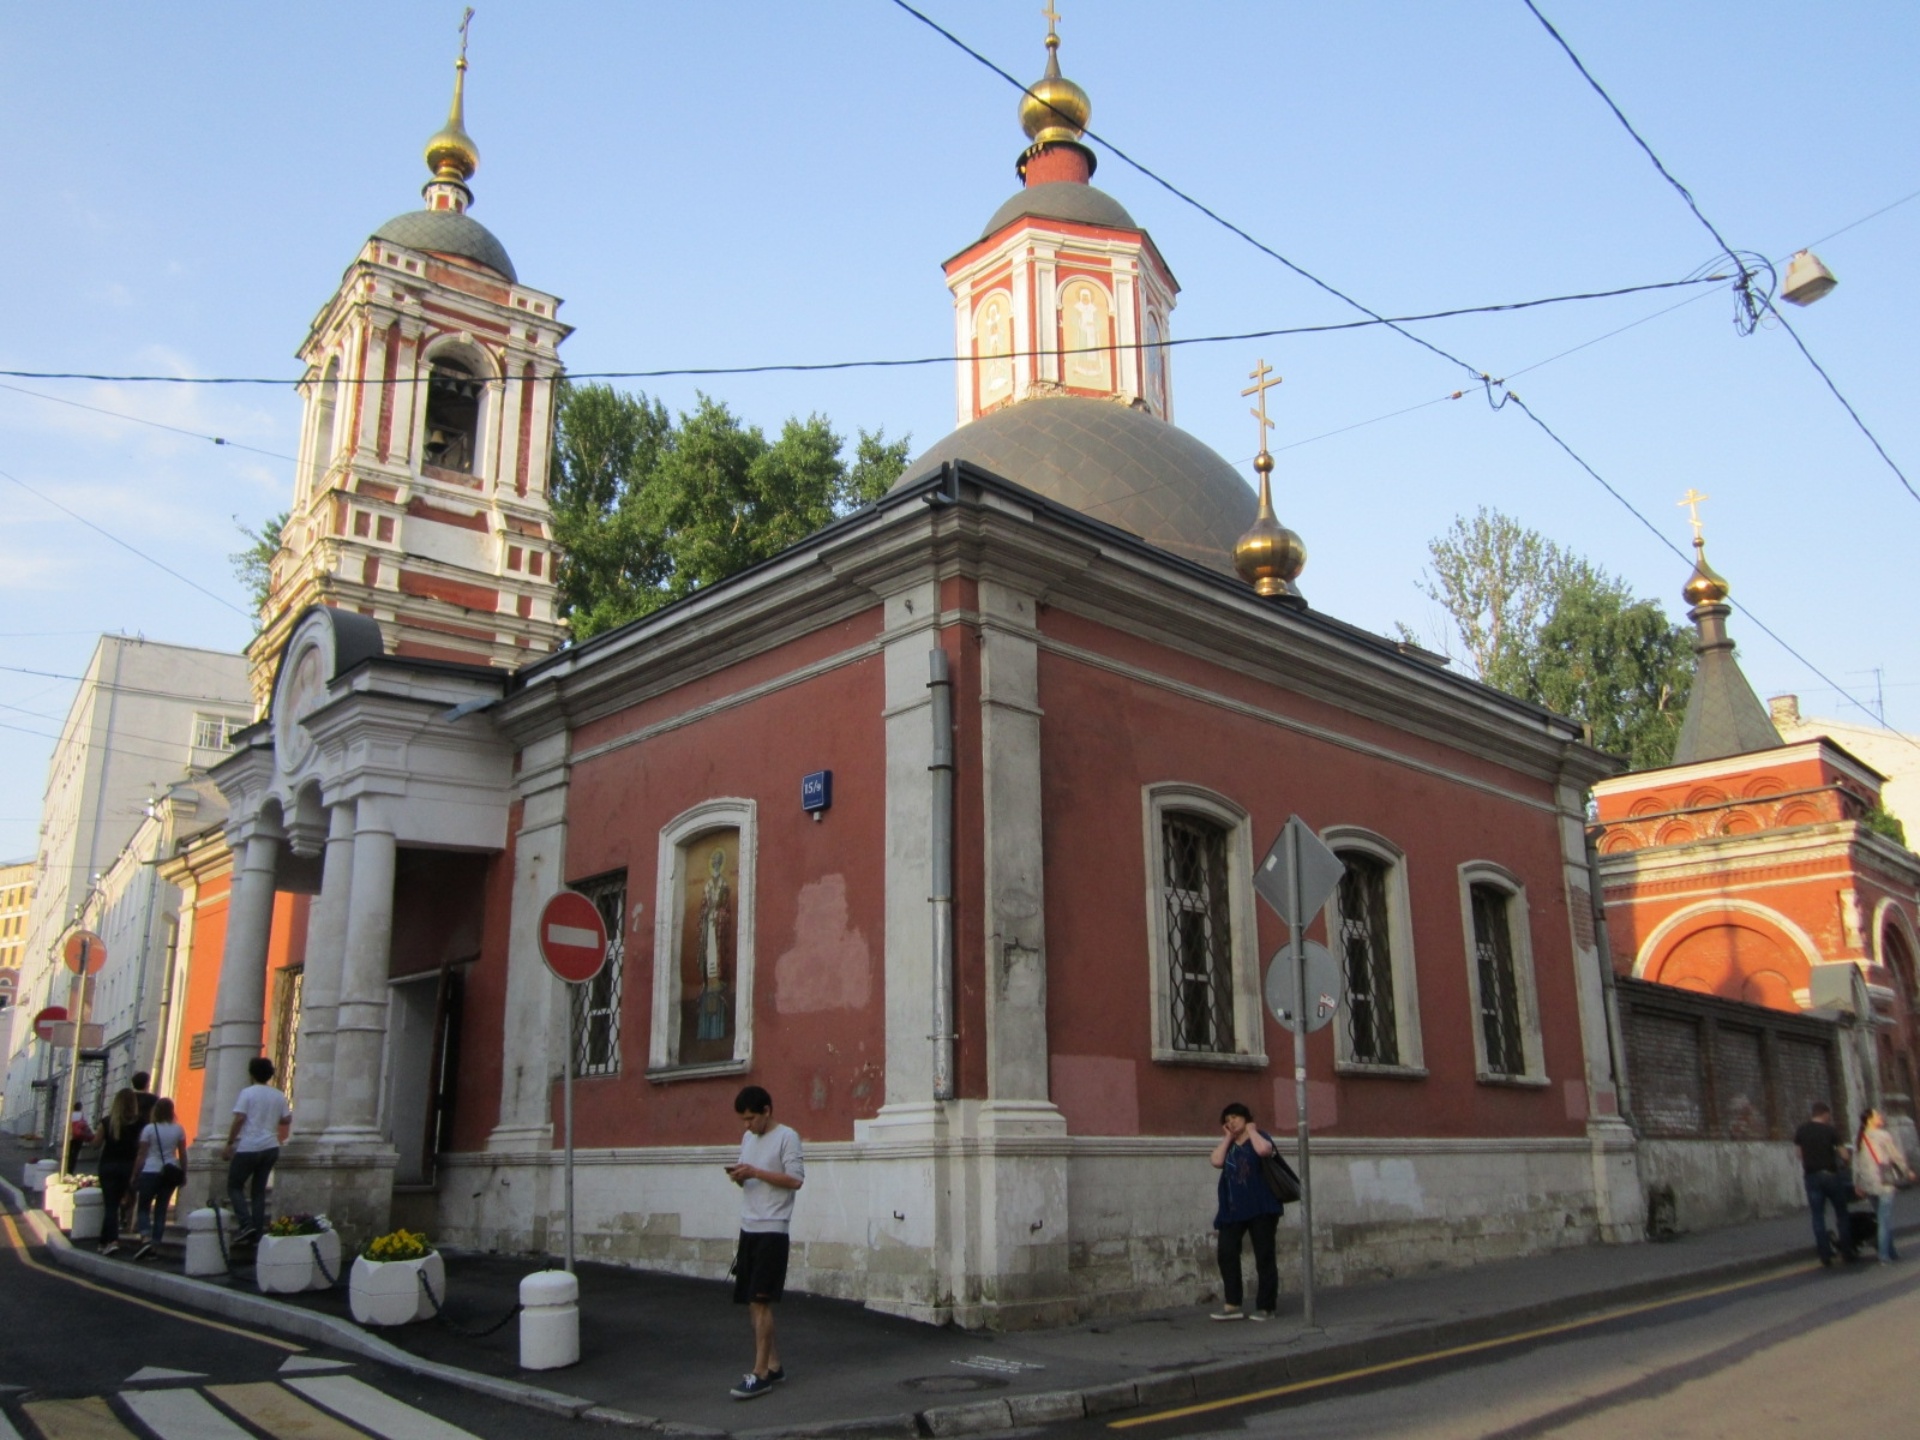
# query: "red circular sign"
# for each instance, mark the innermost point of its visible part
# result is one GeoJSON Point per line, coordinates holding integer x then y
{"type": "Point", "coordinates": [85, 952]}
{"type": "Point", "coordinates": [573, 937]}
{"type": "Point", "coordinates": [44, 1022]}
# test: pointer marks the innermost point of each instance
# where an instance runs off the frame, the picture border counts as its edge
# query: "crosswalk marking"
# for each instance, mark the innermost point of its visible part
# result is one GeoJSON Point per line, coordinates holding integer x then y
{"type": "Point", "coordinates": [281, 1415]}
{"type": "Point", "coordinates": [7, 1432]}
{"type": "Point", "coordinates": [87, 1419]}
{"type": "Point", "coordinates": [304, 1364]}
{"type": "Point", "coordinates": [181, 1414]}
{"type": "Point", "coordinates": [367, 1407]}
{"type": "Point", "coordinates": [160, 1372]}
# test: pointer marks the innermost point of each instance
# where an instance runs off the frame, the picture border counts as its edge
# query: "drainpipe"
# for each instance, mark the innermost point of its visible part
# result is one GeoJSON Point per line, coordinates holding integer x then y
{"type": "Point", "coordinates": [940, 856]}
{"type": "Point", "coordinates": [1616, 1040]}
{"type": "Point", "coordinates": [157, 812]}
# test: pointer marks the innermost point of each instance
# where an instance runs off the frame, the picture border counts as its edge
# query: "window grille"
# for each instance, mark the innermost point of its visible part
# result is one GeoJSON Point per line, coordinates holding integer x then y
{"type": "Point", "coordinates": [1199, 937]}
{"type": "Point", "coordinates": [1499, 991]}
{"type": "Point", "coordinates": [1366, 955]}
{"type": "Point", "coordinates": [596, 1004]}
{"type": "Point", "coordinates": [215, 732]}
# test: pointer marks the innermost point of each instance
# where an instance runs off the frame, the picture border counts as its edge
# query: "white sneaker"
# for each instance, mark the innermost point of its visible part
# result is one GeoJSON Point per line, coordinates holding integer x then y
{"type": "Point", "coordinates": [1228, 1312]}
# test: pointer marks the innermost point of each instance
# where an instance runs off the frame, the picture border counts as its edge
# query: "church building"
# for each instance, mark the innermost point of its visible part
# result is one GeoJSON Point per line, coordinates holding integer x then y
{"type": "Point", "coordinates": [940, 825]}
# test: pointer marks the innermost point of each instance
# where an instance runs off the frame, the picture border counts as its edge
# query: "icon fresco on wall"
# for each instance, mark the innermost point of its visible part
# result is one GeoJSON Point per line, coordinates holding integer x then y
{"type": "Point", "coordinates": [993, 345]}
{"type": "Point", "coordinates": [709, 947]}
{"type": "Point", "coordinates": [1083, 322]}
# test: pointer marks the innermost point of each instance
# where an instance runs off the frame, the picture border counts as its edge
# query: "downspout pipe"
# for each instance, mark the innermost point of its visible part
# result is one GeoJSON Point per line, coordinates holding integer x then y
{"type": "Point", "coordinates": [940, 866]}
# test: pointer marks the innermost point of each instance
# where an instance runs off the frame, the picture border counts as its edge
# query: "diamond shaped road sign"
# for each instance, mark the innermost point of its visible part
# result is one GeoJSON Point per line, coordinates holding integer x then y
{"type": "Point", "coordinates": [1320, 870]}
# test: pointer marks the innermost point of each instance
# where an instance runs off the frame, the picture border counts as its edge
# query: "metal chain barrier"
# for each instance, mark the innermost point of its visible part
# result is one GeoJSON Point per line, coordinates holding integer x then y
{"type": "Point", "coordinates": [471, 1334]}
{"type": "Point", "coordinates": [220, 1233]}
{"type": "Point", "coordinates": [320, 1264]}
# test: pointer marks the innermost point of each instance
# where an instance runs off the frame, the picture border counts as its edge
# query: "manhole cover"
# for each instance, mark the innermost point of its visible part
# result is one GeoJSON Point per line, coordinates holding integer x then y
{"type": "Point", "coordinates": [952, 1384]}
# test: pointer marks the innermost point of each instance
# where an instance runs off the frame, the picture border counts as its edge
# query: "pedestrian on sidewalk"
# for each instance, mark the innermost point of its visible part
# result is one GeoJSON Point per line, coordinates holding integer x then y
{"type": "Point", "coordinates": [1821, 1155]}
{"type": "Point", "coordinates": [261, 1119]}
{"type": "Point", "coordinates": [1247, 1210]}
{"type": "Point", "coordinates": [142, 1084]}
{"type": "Point", "coordinates": [78, 1133]}
{"type": "Point", "coordinates": [119, 1145]}
{"type": "Point", "coordinates": [1879, 1169]}
{"type": "Point", "coordinates": [770, 1172]}
{"type": "Point", "coordinates": [159, 1167]}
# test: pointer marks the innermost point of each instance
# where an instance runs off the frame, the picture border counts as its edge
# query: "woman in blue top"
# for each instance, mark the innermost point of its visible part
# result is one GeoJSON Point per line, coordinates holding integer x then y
{"type": "Point", "coordinates": [1248, 1208]}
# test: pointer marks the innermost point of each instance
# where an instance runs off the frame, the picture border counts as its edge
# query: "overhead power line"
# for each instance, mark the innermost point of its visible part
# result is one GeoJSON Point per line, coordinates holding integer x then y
{"type": "Point", "coordinates": [1765, 301]}
{"type": "Point", "coordinates": [142, 420]}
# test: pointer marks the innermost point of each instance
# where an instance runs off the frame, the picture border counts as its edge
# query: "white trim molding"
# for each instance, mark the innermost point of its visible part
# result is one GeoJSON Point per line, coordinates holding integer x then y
{"type": "Point", "coordinates": [1157, 802]}
{"type": "Point", "coordinates": [1411, 1061]}
{"type": "Point", "coordinates": [729, 813]}
{"type": "Point", "coordinates": [1478, 873]}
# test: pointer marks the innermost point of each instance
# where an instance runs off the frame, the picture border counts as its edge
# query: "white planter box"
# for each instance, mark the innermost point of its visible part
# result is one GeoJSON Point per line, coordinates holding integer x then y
{"type": "Point", "coordinates": [59, 1203]}
{"type": "Point", "coordinates": [284, 1264]}
{"type": "Point", "coordinates": [86, 1214]}
{"type": "Point", "coordinates": [388, 1292]}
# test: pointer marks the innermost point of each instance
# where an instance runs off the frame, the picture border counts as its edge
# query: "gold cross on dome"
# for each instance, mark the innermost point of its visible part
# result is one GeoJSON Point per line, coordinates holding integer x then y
{"type": "Point", "coordinates": [465, 21]}
{"type": "Point", "coordinates": [1053, 17]}
{"type": "Point", "coordinates": [1691, 500]}
{"type": "Point", "coordinates": [1261, 384]}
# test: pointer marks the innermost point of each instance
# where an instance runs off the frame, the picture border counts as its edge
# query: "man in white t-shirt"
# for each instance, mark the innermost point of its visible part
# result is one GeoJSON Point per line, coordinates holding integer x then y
{"type": "Point", "coordinates": [770, 1172]}
{"type": "Point", "coordinates": [261, 1119]}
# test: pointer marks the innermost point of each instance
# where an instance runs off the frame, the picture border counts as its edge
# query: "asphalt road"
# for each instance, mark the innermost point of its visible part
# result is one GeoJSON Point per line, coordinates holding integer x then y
{"type": "Point", "coordinates": [81, 1362]}
{"type": "Point", "coordinates": [1813, 1352]}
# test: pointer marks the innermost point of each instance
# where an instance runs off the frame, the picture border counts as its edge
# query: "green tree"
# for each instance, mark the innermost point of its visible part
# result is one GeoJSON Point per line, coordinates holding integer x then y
{"type": "Point", "coordinates": [647, 511]}
{"type": "Point", "coordinates": [253, 566]}
{"type": "Point", "coordinates": [1546, 625]}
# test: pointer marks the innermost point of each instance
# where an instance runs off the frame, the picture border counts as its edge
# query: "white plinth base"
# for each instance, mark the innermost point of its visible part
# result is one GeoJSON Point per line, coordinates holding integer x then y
{"type": "Point", "coordinates": [550, 1321]}
{"type": "Point", "coordinates": [203, 1245]}
{"type": "Point", "coordinates": [86, 1214]}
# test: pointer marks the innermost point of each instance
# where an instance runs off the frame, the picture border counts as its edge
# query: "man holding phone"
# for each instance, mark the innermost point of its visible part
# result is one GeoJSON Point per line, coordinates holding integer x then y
{"type": "Point", "coordinates": [770, 1171]}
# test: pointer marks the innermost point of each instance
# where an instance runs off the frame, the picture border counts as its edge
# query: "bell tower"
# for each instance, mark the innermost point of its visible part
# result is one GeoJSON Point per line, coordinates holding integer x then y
{"type": "Point", "coordinates": [1063, 294]}
{"type": "Point", "coordinates": [420, 496]}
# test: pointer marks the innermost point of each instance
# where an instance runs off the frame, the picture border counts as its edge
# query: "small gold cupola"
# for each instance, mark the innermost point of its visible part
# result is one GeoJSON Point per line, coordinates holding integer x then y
{"type": "Point", "coordinates": [1054, 112]}
{"type": "Point", "coordinates": [1269, 556]}
{"type": "Point", "coordinates": [1705, 586]}
{"type": "Point", "coordinates": [452, 155]}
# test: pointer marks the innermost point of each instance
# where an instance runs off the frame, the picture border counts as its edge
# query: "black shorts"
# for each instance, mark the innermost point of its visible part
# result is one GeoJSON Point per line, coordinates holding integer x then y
{"type": "Point", "coordinates": [760, 1267]}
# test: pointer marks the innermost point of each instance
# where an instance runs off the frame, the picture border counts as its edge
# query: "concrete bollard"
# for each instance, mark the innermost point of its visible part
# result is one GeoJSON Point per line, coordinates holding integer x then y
{"type": "Point", "coordinates": [89, 1214]}
{"type": "Point", "coordinates": [34, 1179]}
{"type": "Point", "coordinates": [550, 1320]}
{"type": "Point", "coordinates": [203, 1245]}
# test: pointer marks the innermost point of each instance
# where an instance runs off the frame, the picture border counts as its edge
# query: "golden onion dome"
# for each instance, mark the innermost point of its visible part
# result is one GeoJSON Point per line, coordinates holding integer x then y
{"type": "Point", "coordinates": [1705, 586]}
{"type": "Point", "coordinates": [451, 153]}
{"type": "Point", "coordinates": [1269, 556]}
{"type": "Point", "coordinates": [1054, 109]}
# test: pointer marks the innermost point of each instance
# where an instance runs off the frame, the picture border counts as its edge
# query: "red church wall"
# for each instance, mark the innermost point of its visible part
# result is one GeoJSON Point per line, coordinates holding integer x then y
{"type": "Point", "coordinates": [483, 1005]}
{"type": "Point", "coordinates": [1106, 736]}
{"type": "Point", "coordinates": [819, 1048]}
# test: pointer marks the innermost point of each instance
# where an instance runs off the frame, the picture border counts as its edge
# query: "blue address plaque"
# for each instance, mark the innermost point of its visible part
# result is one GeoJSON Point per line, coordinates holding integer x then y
{"type": "Point", "coordinates": [816, 792]}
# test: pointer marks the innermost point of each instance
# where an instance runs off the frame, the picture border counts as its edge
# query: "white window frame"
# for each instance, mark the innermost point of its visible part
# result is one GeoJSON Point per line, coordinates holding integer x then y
{"type": "Point", "coordinates": [1520, 937]}
{"type": "Point", "coordinates": [669, 913]}
{"type": "Point", "coordinates": [1249, 1010]}
{"type": "Point", "coordinates": [229, 726]}
{"type": "Point", "coordinates": [1406, 985]}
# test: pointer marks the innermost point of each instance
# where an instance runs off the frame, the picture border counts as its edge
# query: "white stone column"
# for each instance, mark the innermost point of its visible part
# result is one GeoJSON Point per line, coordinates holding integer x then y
{"type": "Point", "coordinates": [360, 1025]}
{"type": "Point", "coordinates": [320, 994]}
{"type": "Point", "coordinates": [910, 617]}
{"type": "Point", "coordinates": [240, 1000]}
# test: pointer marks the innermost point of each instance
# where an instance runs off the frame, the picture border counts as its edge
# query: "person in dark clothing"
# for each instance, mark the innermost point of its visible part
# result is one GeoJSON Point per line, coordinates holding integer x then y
{"type": "Point", "coordinates": [144, 1095]}
{"type": "Point", "coordinates": [119, 1144]}
{"type": "Point", "coordinates": [1247, 1210]}
{"type": "Point", "coordinates": [1828, 1179]}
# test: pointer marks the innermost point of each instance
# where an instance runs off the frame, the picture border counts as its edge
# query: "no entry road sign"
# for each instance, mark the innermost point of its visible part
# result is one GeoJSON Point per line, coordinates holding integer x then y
{"type": "Point", "coordinates": [573, 937]}
{"type": "Point", "coordinates": [44, 1022]}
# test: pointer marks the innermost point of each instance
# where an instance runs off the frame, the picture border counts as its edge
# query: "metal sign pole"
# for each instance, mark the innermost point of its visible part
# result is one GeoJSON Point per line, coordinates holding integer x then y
{"type": "Point", "coordinates": [566, 991]}
{"type": "Point", "coordinates": [1297, 941]}
{"type": "Point", "coordinates": [77, 994]}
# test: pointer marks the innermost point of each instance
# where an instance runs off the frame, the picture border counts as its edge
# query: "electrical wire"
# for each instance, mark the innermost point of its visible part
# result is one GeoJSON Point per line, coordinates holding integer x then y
{"type": "Point", "coordinates": [142, 420]}
{"type": "Point", "coordinates": [1764, 302]}
{"type": "Point", "coordinates": [130, 548]}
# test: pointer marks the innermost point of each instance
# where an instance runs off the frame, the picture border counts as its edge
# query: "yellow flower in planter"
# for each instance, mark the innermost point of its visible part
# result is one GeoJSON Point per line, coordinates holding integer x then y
{"type": "Point", "coordinates": [399, 1245]}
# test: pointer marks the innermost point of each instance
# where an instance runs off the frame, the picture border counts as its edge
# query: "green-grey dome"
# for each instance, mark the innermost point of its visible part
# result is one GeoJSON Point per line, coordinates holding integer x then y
{"type": "Point", "coordinates": [1062, 200]}
{"type": "Point", "coordinates": [448, 232]}
{"type": "Point", "coordinates": [1115, 463]}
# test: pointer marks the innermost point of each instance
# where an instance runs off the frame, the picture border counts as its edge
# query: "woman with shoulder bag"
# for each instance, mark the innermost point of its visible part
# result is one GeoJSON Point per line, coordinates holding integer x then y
{"type": "Point", "coordinates": [1879, 1168]}
{"type": "Point", "coordinates": [1248, 1209]}
{"type": "Point", "coordinates": [158, 1168]}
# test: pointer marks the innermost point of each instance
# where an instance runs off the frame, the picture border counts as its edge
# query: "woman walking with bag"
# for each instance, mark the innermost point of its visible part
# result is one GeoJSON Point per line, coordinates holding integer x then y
{"type": "Point", "coordinates": [119, 1145]}
{"type": "Point", "coordinates": [1879, 1167]}
{"type": "Point", "coordinates": [159, 1167]}
{"type": "Point", "coordinates": [1248, 1209]}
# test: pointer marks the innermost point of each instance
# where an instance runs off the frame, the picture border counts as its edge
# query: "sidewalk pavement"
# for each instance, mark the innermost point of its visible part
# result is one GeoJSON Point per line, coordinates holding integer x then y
{"type": "Point", "coordinates": [660, 1351]}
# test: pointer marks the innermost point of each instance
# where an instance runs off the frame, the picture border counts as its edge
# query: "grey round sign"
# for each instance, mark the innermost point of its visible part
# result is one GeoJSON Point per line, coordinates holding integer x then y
{"type": "Point", "coordinates": [1324, 991]}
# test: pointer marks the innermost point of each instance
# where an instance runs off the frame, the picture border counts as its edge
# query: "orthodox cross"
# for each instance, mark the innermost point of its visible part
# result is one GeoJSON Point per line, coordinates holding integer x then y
{"type": "Point", "coordinates": [1692, 501]}
{"type": "Point", "coordinates": [1053, 17]}
{"type": "Point", "coordinates": [465, 21]}
{"type": "Point", "coordinates": [1261, 384]}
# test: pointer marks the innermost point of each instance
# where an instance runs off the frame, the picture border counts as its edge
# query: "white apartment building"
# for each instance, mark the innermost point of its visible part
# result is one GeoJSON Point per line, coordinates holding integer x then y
{"type": "Point", "coordinates": [16, 897]}
{"type": "Point", "coordinates": [1893, 753]}
{"type": "Point", "coordinates": [146, 717]}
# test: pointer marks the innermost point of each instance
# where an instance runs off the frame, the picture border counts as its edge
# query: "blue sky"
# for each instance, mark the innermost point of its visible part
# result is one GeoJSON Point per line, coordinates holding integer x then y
{"type": "Point", "coordinates": [715, 185]}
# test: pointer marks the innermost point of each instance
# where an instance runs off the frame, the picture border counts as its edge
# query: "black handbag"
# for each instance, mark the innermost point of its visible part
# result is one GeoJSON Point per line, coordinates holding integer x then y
{"type": "Point", "coordinates": [1279, 1175]}
{"type": "Point", "coordinates": [172, 1175]}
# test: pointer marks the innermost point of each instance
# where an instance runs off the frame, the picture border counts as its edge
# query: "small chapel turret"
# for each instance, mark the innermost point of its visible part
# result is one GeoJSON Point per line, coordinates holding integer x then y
{"type": "Point", "coordinates": [420, 496]}
{"type": "Point", "coordinates": [1063, 294]}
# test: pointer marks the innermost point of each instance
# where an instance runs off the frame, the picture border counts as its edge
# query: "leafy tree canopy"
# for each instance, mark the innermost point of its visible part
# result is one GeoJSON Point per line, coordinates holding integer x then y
{"type": "Point", "coordinates": [647, 510]}
{"type": "Point", "coordinates": [253, 566]}
{"type": "Point", "coordinates": [1542, 623]}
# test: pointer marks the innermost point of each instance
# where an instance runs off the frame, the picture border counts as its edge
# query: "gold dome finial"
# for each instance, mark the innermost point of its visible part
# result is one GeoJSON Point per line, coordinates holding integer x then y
{"type": "Point", "coordinates": [1704, 586]}
{"type": "Point", "coordinates": [451, 154]}
{"type": "Point", "coordinates": [1269, 556]}
{"type": "Point", "coordinates": [1054, 110]}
